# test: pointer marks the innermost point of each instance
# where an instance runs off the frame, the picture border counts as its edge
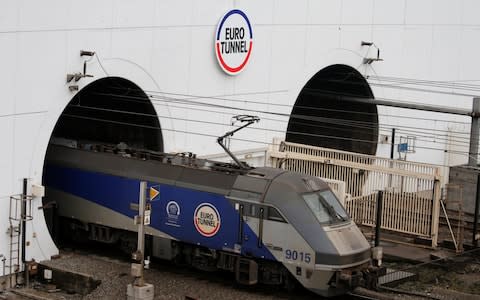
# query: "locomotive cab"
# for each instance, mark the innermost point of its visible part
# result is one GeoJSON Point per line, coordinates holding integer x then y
{"type": "Point", "coordinates": [321, 246]}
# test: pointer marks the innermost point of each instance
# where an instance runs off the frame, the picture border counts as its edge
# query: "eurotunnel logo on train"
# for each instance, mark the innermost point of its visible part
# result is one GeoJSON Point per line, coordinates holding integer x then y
{"type": "Point", "coordinates": [173, 213]}
{"type": "Point", "coordinates": [207, 219]}
{"type": "Point", "coordinates": [233, 41]}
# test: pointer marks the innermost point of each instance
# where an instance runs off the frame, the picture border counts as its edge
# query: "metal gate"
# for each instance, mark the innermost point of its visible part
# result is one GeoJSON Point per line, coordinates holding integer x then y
{"type": "Point", "coordinates": [411, 190]}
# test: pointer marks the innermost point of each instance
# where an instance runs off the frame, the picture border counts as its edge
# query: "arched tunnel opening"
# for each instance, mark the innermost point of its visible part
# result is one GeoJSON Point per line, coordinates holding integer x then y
{"type": "Point", "coordinates": [323, 117]}
{"type": "Point", "coordinates": [109, 111]}
{"type": "Point", "coordinates": [326, 115]}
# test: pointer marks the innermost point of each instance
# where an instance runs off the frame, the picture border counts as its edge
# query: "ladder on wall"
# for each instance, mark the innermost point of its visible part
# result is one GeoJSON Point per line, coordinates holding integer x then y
{"type": "Point", "coordinates": [20, 212]}
{"type": "Point", "coordinates": [14, 249]}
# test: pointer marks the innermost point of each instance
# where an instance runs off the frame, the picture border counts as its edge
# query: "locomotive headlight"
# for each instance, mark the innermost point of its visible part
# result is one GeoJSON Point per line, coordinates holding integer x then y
{"type": "Point", "coordinates": [377, 255]}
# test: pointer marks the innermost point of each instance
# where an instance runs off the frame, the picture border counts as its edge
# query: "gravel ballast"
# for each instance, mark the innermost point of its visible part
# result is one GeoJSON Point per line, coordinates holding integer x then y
{"type": "Point", "coordinates": [170, 281]}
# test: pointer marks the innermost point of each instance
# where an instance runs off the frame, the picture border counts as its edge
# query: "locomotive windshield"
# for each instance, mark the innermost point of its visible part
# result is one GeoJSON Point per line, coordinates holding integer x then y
{"type": "Point", "coordinates": [326, 207]}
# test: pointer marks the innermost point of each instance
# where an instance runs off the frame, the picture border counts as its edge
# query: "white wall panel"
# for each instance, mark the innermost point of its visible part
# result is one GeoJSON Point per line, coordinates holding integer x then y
{"type": "Point", "coordinates": [288, 55]}
{"type": "Point", "coordinates": [419, 12]}
{"type": "Point", "coordinates": [41, 71]}
{"type": "Point", "coordinates": [321, 40]}
{"type": "Point", "coordinates": [173, 13]}
{"type": "Point", "coordinates": [127, 13]}
{"type": "Point", "coordinates": [8, 53]}
{"type": "Point", "coordinates": [390, 40]}
{"type": "Point", "coordinates": [389, 12]}
{"type": "Point", "coordinates": [6, 159]}
{"type": "Point", "coordinates": [259, 12]}
{"type": "Point", "coordinates": [42, 15]}
{"type": "Point", "coordinates": [90, 14]}
{"type": "Point", "coordinates": [4, 225]}
{"type": "Point", "coordinates": [417, 60]}
{"type": "Point", "coordinates": [171, 47]}
{"type": "Point", "coordinates": [9, 15]}
{"type": "Point", "coordinates": [469, 54]}
{"type": "Point", "coordinates": [204, 75]}
{"type": "Point", "coordinates": [357, 12]}
{"type": "Point", "coordinates": [324, 12]}
{"type": "Point", "coordinates": [445, 64]}
{"type": "Point", "coordinates": [252, 78]}
{"type": "Point", "coordinates": [470, 12]}
{"type": "Point", "coordinates": [351, 38]}
{"type": "Point", "coordinates": [208, 12]}
{"type": "Point", "coordinates": [133, 45]}
{"type": "Point", "coordinates": [25, 134]}
{"type": "Point", "coordinates": [447, 12]}
{"type": "Point", "coordinates": [290, 12]}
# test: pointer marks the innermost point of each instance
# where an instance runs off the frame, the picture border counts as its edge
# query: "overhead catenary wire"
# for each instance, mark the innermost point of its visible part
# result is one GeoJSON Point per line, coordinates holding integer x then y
{"type": "Point", "coordinates": [243, 140]}
{"type": "Point", "coordinates": [161, 95]}
{"type": "Point", "coordinates": [265, 129]}
{"type": "Point", "coordinates": [193, 103]}
{"type": "Point", "coordinates": [435, 138]}
{"type": "Point", "coordinates": [357, 123]}
{"type": "Point", "coordinates": [326, 93]}
{"type": "Point", "coordinates": [355, 126]}
{"type": "Point", "coordinates": [410, 83]}
{"type": "Point", "coordinates": [383, 127]}
{"type": "Point", "coordinates": [343, 122]}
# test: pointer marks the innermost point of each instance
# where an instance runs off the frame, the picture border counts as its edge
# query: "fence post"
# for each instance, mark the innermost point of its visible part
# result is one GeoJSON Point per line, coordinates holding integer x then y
{"type": "Point", "coordinates": [378, 219]}
{"type": "Point", "coordinates": [435, 212]}
{"type": "Point", "coordinates": [475, 218]}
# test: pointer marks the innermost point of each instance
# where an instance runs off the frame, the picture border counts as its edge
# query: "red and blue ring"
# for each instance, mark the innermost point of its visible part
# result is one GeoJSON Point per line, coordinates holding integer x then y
{"type": "Point", "coordinates": [238, 68]}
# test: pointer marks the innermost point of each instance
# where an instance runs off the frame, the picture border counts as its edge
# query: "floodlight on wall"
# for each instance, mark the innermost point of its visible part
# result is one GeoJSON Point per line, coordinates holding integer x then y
{"type": "Point", "coordinates": [76, 76]}
{"type": "Point", "coordinates": [79, 75]}
{"type": "Point", "coordinates": [370, 60]}
{"type": "Point", "coordinates": [87, 53]}
{"type": "Point", "coordinates": [73, 88]}
{"type": "Point", "coordinates": [366, 43]}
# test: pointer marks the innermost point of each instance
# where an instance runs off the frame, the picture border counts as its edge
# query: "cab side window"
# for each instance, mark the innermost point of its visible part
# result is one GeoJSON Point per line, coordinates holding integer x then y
{"type": "Point", "coordinates": [274, 215]}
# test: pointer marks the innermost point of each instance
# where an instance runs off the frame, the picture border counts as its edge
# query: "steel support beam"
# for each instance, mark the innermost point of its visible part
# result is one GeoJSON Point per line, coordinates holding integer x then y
{"type": "Point", "coordinates": [474, 132]}
{"type": "Point", "coordinates": [406, 105]}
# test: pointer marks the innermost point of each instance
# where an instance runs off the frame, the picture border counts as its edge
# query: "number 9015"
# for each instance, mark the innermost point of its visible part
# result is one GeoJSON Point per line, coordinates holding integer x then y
{"type": "Point", "coordinates": [295, 255]}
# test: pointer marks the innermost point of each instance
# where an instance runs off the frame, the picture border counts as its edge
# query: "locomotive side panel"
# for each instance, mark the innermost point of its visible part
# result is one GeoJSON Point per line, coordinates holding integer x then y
{"type": "Point", "coordinates": [191, 216]}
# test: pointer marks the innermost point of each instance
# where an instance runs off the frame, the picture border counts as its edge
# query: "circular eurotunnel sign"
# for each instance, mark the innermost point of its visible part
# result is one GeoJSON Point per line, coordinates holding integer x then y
{"type": "Point", "coordinates": [233, 42]}
{"type": "Point", "coordinates": [206, 219]}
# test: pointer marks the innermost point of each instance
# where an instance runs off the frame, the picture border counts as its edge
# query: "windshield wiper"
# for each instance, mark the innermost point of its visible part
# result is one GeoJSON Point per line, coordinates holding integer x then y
{"type": "Point", "coordinates": [332, 211]}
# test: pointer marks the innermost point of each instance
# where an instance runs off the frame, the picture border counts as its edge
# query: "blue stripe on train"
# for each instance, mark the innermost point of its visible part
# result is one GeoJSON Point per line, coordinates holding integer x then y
{"type": "Point", "coordinates": [117, 193]}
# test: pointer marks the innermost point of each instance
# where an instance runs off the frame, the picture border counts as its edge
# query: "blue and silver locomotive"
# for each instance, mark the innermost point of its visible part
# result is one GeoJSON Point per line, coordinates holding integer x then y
{"type": "Point", "coordinates": [264, 224]}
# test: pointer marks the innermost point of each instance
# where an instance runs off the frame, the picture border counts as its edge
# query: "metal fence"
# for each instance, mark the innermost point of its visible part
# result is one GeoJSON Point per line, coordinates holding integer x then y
{"type": "Point", "coordinates": [411, 190]}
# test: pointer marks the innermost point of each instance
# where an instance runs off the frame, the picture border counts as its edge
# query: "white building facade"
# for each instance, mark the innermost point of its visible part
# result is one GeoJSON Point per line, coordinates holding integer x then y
{"type": "Point", "coordinates": [162, 54]}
